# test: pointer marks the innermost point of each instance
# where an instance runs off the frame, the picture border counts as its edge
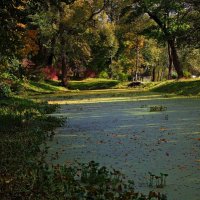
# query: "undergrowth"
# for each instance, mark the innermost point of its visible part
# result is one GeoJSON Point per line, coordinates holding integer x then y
{"type": "Point", "coordinates": [24, 126]}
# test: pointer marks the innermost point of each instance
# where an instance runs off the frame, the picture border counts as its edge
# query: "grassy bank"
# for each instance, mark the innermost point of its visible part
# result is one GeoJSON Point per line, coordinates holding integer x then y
{"type": "Point", "coordinates": [24, 126]}
{"type": "Point", "coordinates": [181, 87]}
{"type": "Point", "coordinates": [42, 87]}
{"type": "Point", "coordinates": [92, 84]}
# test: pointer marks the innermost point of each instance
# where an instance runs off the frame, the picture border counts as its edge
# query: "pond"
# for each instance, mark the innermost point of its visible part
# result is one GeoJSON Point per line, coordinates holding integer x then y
{"type": "Point", "coordinates": [119, 131]}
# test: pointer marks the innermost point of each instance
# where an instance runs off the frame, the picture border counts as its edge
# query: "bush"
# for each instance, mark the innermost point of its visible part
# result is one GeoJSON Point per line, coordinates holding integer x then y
{"type": "Point", "coordinates": [5, 90]}
{"type": "Point", "coordinates": [122, 77]}
{"type": "Point", "coordinates": [187, 74]}
{"type": "Point", "coordinates": [17, 88]}
{"type": "Point", "coordinates": [130, 77]}
{"type": "Point", "coordinates": [103, 74]}
{"type": "Point", "coordinates": [174, 75]}
{"type": "Point", "coordinates": [10, 83]}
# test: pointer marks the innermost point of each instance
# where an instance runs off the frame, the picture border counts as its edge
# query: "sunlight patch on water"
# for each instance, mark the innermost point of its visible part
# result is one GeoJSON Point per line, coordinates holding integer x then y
{"type": "Point", "coordinates": [110, 99]}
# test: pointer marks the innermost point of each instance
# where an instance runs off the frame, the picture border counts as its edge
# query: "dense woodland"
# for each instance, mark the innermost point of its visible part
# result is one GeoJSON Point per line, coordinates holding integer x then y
{"type": "Point", "coordinates": [118, 39]}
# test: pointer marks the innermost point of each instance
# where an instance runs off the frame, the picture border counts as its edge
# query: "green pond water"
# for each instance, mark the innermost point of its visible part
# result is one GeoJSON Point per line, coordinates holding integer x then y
{"type": "Point", "coordinates": [121, 132]}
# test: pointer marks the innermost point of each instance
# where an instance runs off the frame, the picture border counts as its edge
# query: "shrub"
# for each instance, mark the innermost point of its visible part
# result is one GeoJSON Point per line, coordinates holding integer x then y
{"type": "Point", "coordinates": [11, 82]}
{"type": "Point", "coordinates": [174, 75]}
{"type": "Point", "coordinates": [5, 90]}
{"type": "Point", "coordinates": [103, 74]}
{"type": "Point", "coordinates": [187, 74]}
{"type": "Point", "coordinates": [122, 77]}
{"type": "Point", "coordinates": [17, 88]}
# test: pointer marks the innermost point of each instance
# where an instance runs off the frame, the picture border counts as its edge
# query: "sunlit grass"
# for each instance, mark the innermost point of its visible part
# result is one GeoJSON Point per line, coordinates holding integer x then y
{"type": "Point", "coordinates": [89, 97]}
{"type": "Point", "coordinates": [181, 87]}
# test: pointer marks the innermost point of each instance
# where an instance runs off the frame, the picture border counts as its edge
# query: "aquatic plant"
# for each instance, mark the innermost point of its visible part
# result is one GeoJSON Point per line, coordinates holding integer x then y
{"type": "Point", "coordinates": [158, 108]}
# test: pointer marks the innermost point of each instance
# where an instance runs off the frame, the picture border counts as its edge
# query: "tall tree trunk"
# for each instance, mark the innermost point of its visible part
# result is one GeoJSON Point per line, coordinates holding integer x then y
{"type": "Point", "coordinates": [158, 75]}
{"type": "Point", "coordinates": [51, 54]}
{"type": "Point", "coordinates": [170, 62]}
{"type": "Point", "coordinates": [175, 58]}
{"type": "Point", "coordinates": [63, 65]}
{"type": "Point", "coordinates": [171, 42]}
{"type": "Point", "coordinates": [63, 48]}
{"type": "Point", "coordinates": [64, 70]}
{"type": "Point", "coordinates": [137, 59]}
{"type": "Point", "coordinates": [154, 74]}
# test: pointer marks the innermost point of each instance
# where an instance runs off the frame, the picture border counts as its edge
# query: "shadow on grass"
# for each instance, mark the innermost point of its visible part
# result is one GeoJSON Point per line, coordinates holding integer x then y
{"type": "Point", "coordinates": [43, 86]}
{"type": "Point", "coordinates": [180, 87]}
{"type": "Point", "coordinates": [93, 85]}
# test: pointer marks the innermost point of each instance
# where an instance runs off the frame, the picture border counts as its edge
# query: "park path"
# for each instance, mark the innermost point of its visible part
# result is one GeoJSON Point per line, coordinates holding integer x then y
{"type": "Point", "coordinates": [119, 131]}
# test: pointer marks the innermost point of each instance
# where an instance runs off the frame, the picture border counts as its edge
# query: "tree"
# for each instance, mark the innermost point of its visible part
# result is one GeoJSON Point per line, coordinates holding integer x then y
{"type": "Point", "coordinates": [12, 27]}
{"type": "Point", "coordinates": [169, 16]}
{"type": "Point", "coordinates": [190, 59]}
{"type": "Point", "coordinates": [63, 29]}
{"type": "Point", "coordinates": [131, 57]}
{"type": "Point", "coordinates": [155, 59]}
{"type": "Point", "coordinates": [192, 36]}
{"type": "Point", "coordinates": [103, 43]}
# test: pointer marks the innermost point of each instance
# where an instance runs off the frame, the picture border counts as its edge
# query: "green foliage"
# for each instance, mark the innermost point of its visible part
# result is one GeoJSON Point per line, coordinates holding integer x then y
{"type": "Point", "coordinates": [123, 77]}
{"type": "Point", "coordinates": [23, 128]}
{"type": "Point", "coordinates": [11, 76]}
{"type": "Point", "coordinates": [5, 90]}
{"type": "Point", "coordinates": [174, 75]}
{"type": "Point", "coordinates": [103, 42]}
{"type": "Point", "coordinates": [10, 68]}
{"type": "Point", "coordinates": [104, 75]}
{"type": "Point", "coordinates": [93, 34]}
{"type": "Point", "coordinates": [155, 55]}
{"type": "Point", "coordinates": [187, 74]}
{"type": "Point", "coordinates": [12, 13]}
{"type": "Point", "coordinates": [84, 181]}
{"type": "Point", "coordinates": [190, 59]}
{"type": "Point", "coordinates": [22, 114]}
{"type": "Point", "coordinates": [170, 19]}
{"type": "Point", "coordinates": [120, 76]}
{"type": "Point", "coordinates": [121, 69]}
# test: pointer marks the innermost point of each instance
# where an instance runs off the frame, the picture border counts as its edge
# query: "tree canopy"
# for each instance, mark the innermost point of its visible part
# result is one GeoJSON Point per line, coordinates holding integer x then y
{"type": "Point", "coordinates": [122, 39]}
